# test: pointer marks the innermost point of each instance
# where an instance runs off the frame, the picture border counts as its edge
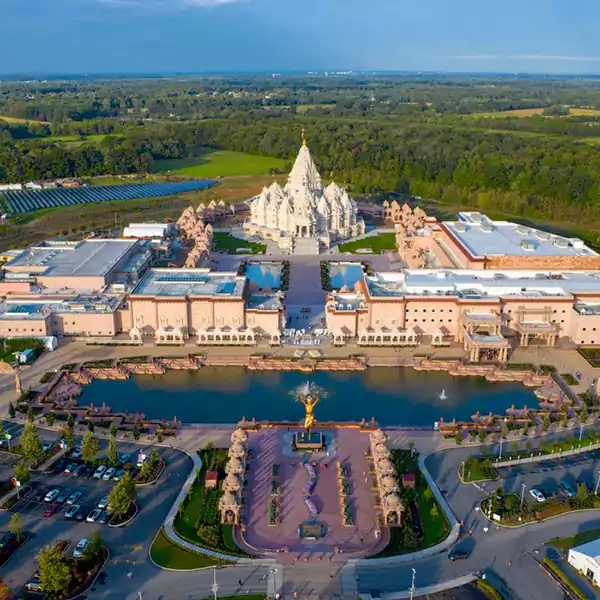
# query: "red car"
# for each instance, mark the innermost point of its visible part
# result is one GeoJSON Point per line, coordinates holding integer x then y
{"type": "Point", "coordinates": [51, 509]}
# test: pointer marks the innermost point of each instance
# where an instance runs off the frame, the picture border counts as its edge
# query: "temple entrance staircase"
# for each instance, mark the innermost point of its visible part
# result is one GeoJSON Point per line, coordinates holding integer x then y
{"type": "Point", "coordinates": [308, 245]}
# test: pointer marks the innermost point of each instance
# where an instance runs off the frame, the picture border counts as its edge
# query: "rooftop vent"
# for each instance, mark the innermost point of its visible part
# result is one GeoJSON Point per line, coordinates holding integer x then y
{"type": "Point", "coordinates": [527, 244]}
{"type": "Point", "coordinates": [522, 230]}
{"type": "Point", "coordinates": [561, 242]}
{"type": "Point", "coordinates": [462, 227]}
{"type": "Point", "coordinates": [487, 227]}
{"type": "Point", "coordinates": [476, 217]}
{"type": "Point", "coordinates": [544, 236]}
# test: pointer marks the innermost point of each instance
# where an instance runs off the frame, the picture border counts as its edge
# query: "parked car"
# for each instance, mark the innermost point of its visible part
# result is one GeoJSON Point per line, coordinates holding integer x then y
{"type": "Point", "coordinates": [94, 515]}
{"type": "Point", "coordinates": [109, 473]}
{"type": "Point", "coordinates": [51, 509]}
{"type": "Point", "coordinates": [60, 465]}
{"type": "Point", "coordinates": [7, 540]}
{"type": "Point", "coordinates": [103, 501]}
{"type": "Point", "coordinates": [119, 474]}
{"type": "Point", "coordinates": [74, 497]}
{"type": "Point", "coordinates": [80, 548]}
{"type": "Point", "coordinates": [537, 495]}
{"type": "Point", "coordinates": [567, 489]}
{"type": "Point", "coordinates": [51, 496]}
{"type": "Point", "coordinates": [79, 471]}
{"type": "Point", "coordinates": [64, 494]}
{"type": "Point", "coordinates": [34, 584]}
{"type": "Point", "coordinates": [99, 472]}
{"type": "Point", "coordinates": [103, 518]}
{"type": "Point", "coordinates": [81, 514]}
{"type": "Point", "coordinates": [47, 447]}
{"type": "Point", "coordinates": [585, 484]}
{"type": "Point", "coordinates": [457, 554]}
{"type": "Point", "coordinates": [72, 511]}
{"type": "Point", "coordinates": [124, 457]}
{"type": "Point", "coordinates": [76, 453]}
{"type": "Point", "coordinates": [70, 467]}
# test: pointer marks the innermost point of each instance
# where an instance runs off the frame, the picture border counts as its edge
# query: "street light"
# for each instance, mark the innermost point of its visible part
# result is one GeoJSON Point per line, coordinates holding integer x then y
{"type": "Point", "coordinates": [501, 432]}
{"type": "Point", "coordinates": [214, 587]}
{"type": "Point", "coordinates": [412, 587]}
{"type": "Point", "coordinates": [522, 495]}
{"type": "Point", "coordinates": [597, 483]}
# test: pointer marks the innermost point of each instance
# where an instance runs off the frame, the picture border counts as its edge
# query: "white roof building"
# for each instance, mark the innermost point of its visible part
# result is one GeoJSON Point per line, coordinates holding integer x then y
{"type": "Point", "coordinates": [148, 230]}
{"type": "Point", "coordinates": [586, 559]}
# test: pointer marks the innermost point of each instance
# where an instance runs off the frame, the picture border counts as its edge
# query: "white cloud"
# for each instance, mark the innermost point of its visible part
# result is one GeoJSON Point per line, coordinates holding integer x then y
{"type": "Point", "coordinates": [163, 4]}
{"type": "Point", "coordinates": [556, 58]}
{"type": "Point", "coordinates": [476, 57]}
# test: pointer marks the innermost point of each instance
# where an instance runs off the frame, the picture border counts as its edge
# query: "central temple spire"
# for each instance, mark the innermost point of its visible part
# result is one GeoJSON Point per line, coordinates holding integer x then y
{"type": "Point", "coordinates": [303, 138]}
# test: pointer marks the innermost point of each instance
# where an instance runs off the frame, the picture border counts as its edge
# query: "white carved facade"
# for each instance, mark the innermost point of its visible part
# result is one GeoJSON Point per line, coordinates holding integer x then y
{"type": "Point", "coordinates": [304, 208]}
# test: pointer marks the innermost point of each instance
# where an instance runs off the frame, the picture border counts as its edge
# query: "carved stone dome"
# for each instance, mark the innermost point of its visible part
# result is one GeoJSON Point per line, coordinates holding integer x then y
{"type": "Point", "coordinates": [237, 450]}
{"type": "Point", "coordinates": [388, 482]}
{"type": "Point", "coordinates": [380, 450]}
{"type": "Point", "coordinates": [378, 436]}
{"type": "Point", "coordinates": [235, 466]}
{"type": "Point", "coordinates": [232, 482]}
{"type": "Point", "coordinates": [239, 436]}
{"type": "Point", "coordinates": [227, 500]}
{"type": "Point", "coordinates": [386, 466]}
{"type": "Point", "coordinates": [392, 502]}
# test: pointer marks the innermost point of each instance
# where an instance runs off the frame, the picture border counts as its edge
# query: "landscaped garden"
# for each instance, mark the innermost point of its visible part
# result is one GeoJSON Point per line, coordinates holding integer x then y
{"type": "Point", "coordinates": [424, 523]}
{"type": "Point", "coordinates": [592, 355]}
{"type": "Point", "coordinates": [197, 520]}
{"type": "Point", "coordinates": [171, 556]}
{"type": "Point", "coordinates": [376, 243]}
{"type": "Point", "coordinates": [229, 244]}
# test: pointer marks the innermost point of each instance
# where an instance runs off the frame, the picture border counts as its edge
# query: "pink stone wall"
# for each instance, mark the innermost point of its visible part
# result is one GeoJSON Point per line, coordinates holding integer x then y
{"type": "Point", "coordinates": [85, 324]}
{"type": "Point", "coordinates": [586, 329]}
{"type": "Point", "coordinates": [23, 328]}
{"type": "Point", "coordinates": [75, 283]}
{"type": "Point", "coordinates": [343, 322]}
{"type": "Point", "coordinates": [7, 287]}
{"type": "Point", "coordinates": [265, 321]}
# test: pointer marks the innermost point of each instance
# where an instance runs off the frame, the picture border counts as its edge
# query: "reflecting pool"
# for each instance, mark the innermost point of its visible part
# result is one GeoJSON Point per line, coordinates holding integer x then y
{"type": "Point", "coordinates": [394, 396]}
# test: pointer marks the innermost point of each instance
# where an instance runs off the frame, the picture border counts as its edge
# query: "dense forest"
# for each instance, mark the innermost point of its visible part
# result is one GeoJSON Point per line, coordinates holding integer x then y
{"type": "Point", "coordinates": [433, 138]}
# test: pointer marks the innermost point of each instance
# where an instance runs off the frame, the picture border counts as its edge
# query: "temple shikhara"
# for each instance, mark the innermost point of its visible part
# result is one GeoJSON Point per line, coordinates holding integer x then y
{"type": "Point", "coordinates": [304, 216]}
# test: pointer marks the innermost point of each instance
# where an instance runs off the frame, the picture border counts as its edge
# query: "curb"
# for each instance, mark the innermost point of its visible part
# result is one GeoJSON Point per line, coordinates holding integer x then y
{"type": "Point", "coordinates": [164, 466]}
{"type": "Point", "coordinates": [81, 594]}
{"type": "Point", "coordinates": [125, 523]}
{"type": "Point", "coordinates": [16, 551]}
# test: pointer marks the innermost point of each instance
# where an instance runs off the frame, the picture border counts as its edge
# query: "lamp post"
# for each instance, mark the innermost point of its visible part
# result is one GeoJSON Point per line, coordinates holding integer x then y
{"type": "Point", "coordinates": [215, 586]}
{"type": "Point", "coordinates": [501, 432]}
{"type": "Point", "coordinates": [580, 431]}
{"type": "Point", "coordinates": [412, 586]}
{"type": "Point", "coordinates": [597, 483]}
{"type": "Point", "coordinates": [522, 495]}
{"type": "Point", "coordinates": [462, 466]}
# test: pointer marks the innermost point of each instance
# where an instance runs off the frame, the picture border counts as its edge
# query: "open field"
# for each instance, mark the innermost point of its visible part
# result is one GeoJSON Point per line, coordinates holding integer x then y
{"type": "Point", "coordinates": [18, 120]}
{"type": "Point", "coordinates": [521, 113]}
{"type": "Point", "coordinates": [220, 163]}
{"type": "Point", "coordinates": [377, 243]}
{"type": "Point", "coordinates": [76, 222]}
{"type": "Point", "coordinates": [302, 108]}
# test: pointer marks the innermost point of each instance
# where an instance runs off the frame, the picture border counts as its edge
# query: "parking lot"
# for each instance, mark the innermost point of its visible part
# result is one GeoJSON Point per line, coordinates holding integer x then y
{"type": "Point", "coordinates": [546, 476]}
{"type": "Point", "coordinates": [128, 545]}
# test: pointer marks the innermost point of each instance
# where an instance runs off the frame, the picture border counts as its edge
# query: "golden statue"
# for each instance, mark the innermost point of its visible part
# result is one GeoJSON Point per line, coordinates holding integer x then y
{"type": "Point", "coordinates": [309, 409]}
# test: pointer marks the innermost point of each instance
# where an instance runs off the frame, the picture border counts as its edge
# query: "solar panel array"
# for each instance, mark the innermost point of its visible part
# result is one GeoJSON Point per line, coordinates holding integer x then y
{"type": "Point", "coordinates": [24, 201]}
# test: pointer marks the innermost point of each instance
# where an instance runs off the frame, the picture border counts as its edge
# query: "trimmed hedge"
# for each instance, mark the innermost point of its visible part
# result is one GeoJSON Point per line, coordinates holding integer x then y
{"type": "Point", "coordinates": [551, 566]}
{"type": "Point", "coordinates": [489, 590]}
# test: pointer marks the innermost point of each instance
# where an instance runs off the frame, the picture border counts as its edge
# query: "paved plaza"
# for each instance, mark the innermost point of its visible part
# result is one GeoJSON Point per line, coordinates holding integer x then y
{"type": "Point", "coordinates": [273, 460]}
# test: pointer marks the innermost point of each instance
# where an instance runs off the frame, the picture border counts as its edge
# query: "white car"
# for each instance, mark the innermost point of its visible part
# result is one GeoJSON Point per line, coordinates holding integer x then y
{"type": "Point", "coordinates": [76, 453]}
{"type": "Point", "coordinates": [94, 515]}
{"type": "Point", "coordinates": [99, 472]}
{"type": "Point", "coordinates": [109, 473]}
{"type": "Point", "coordinates": [537, 495]}
{"type": "Point", "coordinates": [103, 502]}
{"type": "Point", "coordinates": [79, 549]}
{"type": "Point", "coordinates": [51, 495]}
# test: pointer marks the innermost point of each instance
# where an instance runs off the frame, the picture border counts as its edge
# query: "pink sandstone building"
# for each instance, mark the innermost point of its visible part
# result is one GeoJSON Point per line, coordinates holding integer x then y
{"type": "Point", "coordinates": [107, 289]}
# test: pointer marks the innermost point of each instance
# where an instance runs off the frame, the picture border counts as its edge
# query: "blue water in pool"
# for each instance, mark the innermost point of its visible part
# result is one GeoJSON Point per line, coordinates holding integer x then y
{"type": "Point", "coordinates": [265, 274]}
{"type": "Point", "coordinates": [344, 274]}
{"type": "Point", "coordinates": [394, 396]}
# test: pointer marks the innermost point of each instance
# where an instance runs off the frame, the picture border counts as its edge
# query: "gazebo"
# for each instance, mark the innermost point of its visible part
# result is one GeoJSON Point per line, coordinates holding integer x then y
{"type": "Point", "coordinates": [229, 509]}
{"type": "Point", "coordinates": [392, 509]}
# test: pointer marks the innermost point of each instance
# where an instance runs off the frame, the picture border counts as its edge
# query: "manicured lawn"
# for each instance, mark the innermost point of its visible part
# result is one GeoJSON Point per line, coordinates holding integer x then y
{"type": "Point", "coordinates": [569, 379]}
{"type": "Point", "coordinates": [377, 243]}
{"type": "Point", "coordinates": [18, 120]}
{"type": "Point", "coordinates": [477, 469]}
{"type": "Point", "coordinates": [225, 242]}
{"type": "Point", "coordinates": [565, 544]}
{"type": "Point", "coordinates": [170, 556]}
{"type": "Point", "coordinates": [213, 163]}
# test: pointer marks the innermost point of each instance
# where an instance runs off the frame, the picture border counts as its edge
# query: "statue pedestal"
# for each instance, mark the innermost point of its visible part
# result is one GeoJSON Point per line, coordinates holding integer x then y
{"type": "Point", "coordinates": [313, 442]}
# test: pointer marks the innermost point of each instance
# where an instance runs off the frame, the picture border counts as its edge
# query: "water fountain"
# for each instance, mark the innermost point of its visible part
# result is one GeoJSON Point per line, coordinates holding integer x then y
{"type": "Point", "coordinates": [443, 395]}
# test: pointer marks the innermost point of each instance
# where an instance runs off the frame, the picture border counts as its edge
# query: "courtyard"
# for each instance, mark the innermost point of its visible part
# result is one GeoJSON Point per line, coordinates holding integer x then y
{"type": "Point", "coordinates": [278, 474]}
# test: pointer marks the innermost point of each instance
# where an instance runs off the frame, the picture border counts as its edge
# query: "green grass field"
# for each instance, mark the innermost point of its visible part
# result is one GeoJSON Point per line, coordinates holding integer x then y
{"type": "Point", "coordinates": [225, 242]}
{"type": "Point", "coordinates": [565, 544]}
{"type": "Point", "coordinates": [214, 163]}
{"type": "Point", "coordinates": [377, 243]}
{"type": "Point", "coordinates": [18, 120]}
{"type": "Point", "coordinates": [170, 556]}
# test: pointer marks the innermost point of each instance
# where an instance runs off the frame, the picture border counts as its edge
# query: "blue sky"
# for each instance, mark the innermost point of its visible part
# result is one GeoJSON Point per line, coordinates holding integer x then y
{"type": "Point", "coordinates": [109, 36]}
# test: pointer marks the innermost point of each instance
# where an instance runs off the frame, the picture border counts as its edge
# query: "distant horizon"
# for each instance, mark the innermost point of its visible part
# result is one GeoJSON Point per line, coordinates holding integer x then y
{"type": "Point", "coordinates": [40, 76]}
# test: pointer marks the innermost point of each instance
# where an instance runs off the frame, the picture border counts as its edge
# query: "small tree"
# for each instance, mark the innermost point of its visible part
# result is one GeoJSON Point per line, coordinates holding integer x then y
{"type": "Point", "coordinates": [113, 455]}
{"type": "Point", "coordinates": [71, 420]}
{"type": "Point", "coordinates": [136, 433]}
{"type": "Point", "coordinates": [435, 513]}
{"type": "Point", "coordinates": [482, 434]}
{"type": "Point", "coordinates": [30, 415]}
{"type": "Point", "coordinates": [428, 494]}
{"type": "Point", "coordinates": [113, 430]}
{"type": "Point", "coordinates": [514, 448]}
{"type": "Point", "coordinates": [89, 447]}
{"type": "Point", "coordinates": [582, 492]}
{"type": "Point", "coordinates": [15, 525]}
{"type": "Point", "coordinates": [504, 430]}
{"type": "Point", "coordinates": [159, 436]}
{"type": "Point", "coordinates": [22, 473]}
{"type": "Point", "coordinates": [526, 430]}
{"type": "Point", "coordinates": [122, 496]}
{"type": "Point", "coordinates": [528, 445]}
{"type": "Point", "coordinates": [11, 410]}
{"type": "Point", "coordinates": [50, 418]}
{"type": "Point", "coordinates": [31, 443]}
{"type": "Point", "coordinates": [565, 421]}
{"type": "Point", "coordinates": [584, 415]}
{"type": "Point", "coordinates": [94, 545]}
{"type": "Point", "coordinates": [55, 574]}
{"type": "Point", "coordinates": [458, 438]}
{"type": "Point", "coordinates": [66, 434]}
{"type": "Point", "coordinates": [5, 591]}
{"type": "Point", "coordinates": [546, 422]}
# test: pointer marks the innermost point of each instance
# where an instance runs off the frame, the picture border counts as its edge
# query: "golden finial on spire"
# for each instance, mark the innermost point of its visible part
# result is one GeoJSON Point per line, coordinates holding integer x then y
{"type": "Point", "coordinates": [303, 138]}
